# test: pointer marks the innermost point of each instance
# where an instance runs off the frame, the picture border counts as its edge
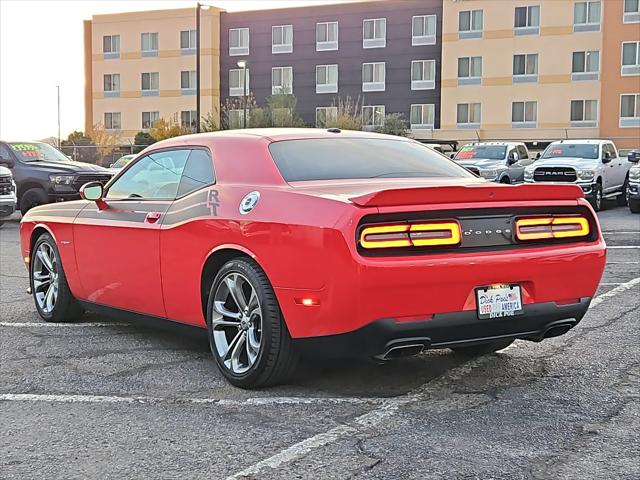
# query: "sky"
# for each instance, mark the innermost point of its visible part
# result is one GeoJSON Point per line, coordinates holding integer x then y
{"type": "Point", "coordinates": [41, 46]}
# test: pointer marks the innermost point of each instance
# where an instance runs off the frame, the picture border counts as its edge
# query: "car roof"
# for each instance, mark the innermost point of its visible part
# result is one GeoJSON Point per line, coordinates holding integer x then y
{"type": "Point", "coordinates": [583, 142]}
{"type": "Point", "coordinates": [276, 134]}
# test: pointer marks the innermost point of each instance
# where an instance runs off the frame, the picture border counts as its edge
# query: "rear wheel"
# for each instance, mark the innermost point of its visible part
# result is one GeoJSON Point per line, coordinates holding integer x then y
{"type": "Point", "coordinates": [49, 286]}
{"type": "Point", "coordinates": [247, 333]}
{"type": "Point", "coordinates": [483, 348]}
{"type": "Point", "coordinates": [32, 198]}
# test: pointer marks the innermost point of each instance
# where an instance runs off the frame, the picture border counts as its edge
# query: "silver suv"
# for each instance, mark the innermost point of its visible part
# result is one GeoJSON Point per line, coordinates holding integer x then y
{"type": "Point", "coordinates": [7, 194]}
{"type": "Point", "coordinates": [502, 162]}
{"type": "Point", "coordinates": [592, 164]}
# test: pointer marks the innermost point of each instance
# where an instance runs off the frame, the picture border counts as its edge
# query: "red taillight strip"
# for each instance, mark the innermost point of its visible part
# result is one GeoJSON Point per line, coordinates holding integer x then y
{"type": "Point", "coordinates": [408, 235]}
{"type": "Point", "coordinates": [544, 228]}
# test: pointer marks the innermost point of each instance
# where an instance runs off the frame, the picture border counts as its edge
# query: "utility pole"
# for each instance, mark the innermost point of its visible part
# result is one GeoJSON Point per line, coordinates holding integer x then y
{"type": "Point", "coordinates": [58, 88]}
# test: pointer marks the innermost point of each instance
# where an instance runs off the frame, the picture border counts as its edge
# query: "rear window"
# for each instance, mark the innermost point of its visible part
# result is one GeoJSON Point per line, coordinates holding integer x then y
{"type": "Point", "coordinates": [485, 152]}
{"type": "Point", "coordinates": [359, 158]}
{"type": "Point", "coordinates": [575, 150]}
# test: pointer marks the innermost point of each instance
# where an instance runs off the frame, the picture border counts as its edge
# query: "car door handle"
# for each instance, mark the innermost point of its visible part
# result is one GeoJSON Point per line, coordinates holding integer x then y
{"type": "Point", "coordinates": [152, 217]}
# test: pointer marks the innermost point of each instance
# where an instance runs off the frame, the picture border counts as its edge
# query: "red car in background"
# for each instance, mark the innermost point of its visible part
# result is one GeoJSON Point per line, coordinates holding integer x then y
{"type": "Point", "coordinates": [282, 242]}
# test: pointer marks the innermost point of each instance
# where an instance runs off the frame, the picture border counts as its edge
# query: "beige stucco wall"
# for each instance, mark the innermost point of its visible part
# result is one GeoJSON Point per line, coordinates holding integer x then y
{"type": "Point", "coordinates": [169, 63]}
{"type": "Point", "coordinates": [554, 90]}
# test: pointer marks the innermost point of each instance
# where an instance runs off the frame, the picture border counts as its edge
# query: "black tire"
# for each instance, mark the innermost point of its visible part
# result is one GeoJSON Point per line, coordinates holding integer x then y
{"type": "Point", "coordinates": [597, 200]}
{"type": "Point", "coordinates": [634, 205]}
{"type": "Point", "coordinates": [66, 307]}
{"type": "Point", "coordinates": [32, 198]}
{"type": "Point", "coordinates": [505, 180]}
{"type": "Point", "coordinates": [623, 199]}
{"type": "Point", "coordinates": [483, 348]}
{"type": "Point", "coordinates": [276, 359]}
{"type": "Point", "coordinates": [1, 223]}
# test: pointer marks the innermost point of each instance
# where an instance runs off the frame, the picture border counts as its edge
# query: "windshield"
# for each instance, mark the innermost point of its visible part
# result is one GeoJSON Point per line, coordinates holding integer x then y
{"type": "Point", "coordinates": [122, 161]}
{"type": "Point", "coordinates": [33, 152]}
{"type": "Point", "coordinates": [359, 158]}
{"type": "Point", "coordinates": [574, 150]}
{"type": "Point", "coordinates": [482, 152]}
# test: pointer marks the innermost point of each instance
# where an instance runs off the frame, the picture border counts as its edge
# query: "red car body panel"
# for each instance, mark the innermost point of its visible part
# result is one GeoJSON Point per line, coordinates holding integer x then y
{"type": "Point", "coordinates": [303, 235]}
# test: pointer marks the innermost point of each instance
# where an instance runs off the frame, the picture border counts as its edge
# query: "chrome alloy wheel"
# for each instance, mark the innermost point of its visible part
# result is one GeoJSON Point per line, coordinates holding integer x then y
{"type": "Point", "coordinates": [45, 277]}
{"type": "Point", "coordinates": [237, 323]}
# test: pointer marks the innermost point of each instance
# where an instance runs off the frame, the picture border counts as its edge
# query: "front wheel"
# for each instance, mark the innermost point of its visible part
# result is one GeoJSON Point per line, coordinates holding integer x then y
{"type": "Point", "coordinates": [247, 333]}
{"type": "Point", "coordinates": [483, 348]}
{"type": "Point", "coordinates": [634, 205]}
{"type": "Point", "coordinates": [49, 286]}
{"type": "Point", "coordinates": [624, 198]}
{"type": "Point", "coordinates": [32, 198]}
{"type": "Point", "coordinates": [596, 201]}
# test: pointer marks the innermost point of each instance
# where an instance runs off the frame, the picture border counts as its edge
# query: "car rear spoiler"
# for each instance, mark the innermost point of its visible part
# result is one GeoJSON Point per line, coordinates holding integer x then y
{"type": "Point", "coordinates": [468, 194]}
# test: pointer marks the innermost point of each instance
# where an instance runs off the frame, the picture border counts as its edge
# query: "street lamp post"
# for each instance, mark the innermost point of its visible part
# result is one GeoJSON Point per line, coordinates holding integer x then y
{"type": "Point", "coordinates": [243, 65]}
{"type": "Point", "coordinates": [58, 88]}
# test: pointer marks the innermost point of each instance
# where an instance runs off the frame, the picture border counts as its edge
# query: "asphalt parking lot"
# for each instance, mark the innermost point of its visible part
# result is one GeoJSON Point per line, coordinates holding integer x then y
{"type": "Point", "coordinates": [106, 399]}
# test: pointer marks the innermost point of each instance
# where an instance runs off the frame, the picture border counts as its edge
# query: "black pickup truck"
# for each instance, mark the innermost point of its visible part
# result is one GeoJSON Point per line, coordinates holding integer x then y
{"type": "Point", "coordinates": [44, 175]}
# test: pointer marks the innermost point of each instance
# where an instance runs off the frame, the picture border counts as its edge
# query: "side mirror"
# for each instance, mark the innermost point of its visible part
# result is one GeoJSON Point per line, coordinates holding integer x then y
{"type": "Point", "coordinates": [513, 158]}
{"type": "Point", "coordinates": [111, 165]}
{"type": "Point", "coordinates": [606, 158]}
{"type": "Point", "coordinates": [8, 162]}
{"type": "Point", "coordinates": [93, 191]}
{"type": "Point", "coordinates": [452, 155]}
{"type": "Point", "coordinates": [538, 155]}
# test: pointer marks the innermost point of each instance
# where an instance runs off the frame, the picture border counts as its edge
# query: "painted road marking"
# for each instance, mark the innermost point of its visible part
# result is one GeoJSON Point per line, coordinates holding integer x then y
{"type": "Point", "coordinates": [382, 412]}
{"type": "Point", "coordinates": [623, 247]}
{"type": "Point", "coordinates": [255, 401]}
{"type": "Point", "coordinates": [67, 325]}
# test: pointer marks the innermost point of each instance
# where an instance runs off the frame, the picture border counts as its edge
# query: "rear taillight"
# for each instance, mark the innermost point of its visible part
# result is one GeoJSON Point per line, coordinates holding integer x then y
{"type": "Point", "coordinates": [544, 228]}
{"type": "Point", "coordinates": [430, 234]}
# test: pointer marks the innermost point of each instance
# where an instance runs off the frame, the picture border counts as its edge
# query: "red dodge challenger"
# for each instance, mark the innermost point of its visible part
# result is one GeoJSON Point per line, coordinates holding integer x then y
{"type": "Point", "coordinates": [283, 242]}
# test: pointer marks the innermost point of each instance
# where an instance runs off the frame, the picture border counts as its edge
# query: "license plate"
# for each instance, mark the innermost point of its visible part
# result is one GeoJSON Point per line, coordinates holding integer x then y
{"type": "Point", "coordinates": [497, 301]}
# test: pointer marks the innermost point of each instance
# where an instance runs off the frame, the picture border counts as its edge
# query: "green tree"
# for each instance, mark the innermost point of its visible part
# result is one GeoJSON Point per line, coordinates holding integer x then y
{"type": "Point", "coordinates": [142, 140]}
{"type": "Point", "coordinates": [283, 110]}
{"type": "Point", "coordinates": [394, 124]}
{"type": "Point", "coordinates": [348, 115]}
{"type": "Point", "coordinates": [80, 147]}
{"type": "Point", "coordinates": [166, 128]}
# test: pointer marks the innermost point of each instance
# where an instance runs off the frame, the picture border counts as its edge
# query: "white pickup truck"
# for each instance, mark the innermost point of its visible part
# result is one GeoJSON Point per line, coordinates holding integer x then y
{"type": "Point", "coordinates": [592, 164]}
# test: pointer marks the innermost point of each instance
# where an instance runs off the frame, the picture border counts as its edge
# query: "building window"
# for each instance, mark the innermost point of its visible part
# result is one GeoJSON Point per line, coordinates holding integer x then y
{"type": "Point", "coordinates": [326, 78]}
{"type": "Point", "coordinates": [585, 65]}
{"type": "Point", "coordinates": [188, 82]}
{"type": "Point", "coordinates": [112, 85]}
{"type": "Point", "coordinates": [630, 110]}
{"type": "Point", "coordinates": [630, 58]}
{"type": "Point", "coordinates": [326, 36]}
{"type": "Point", "coordinates": [469, 70]}
{"type": "Point", "coordinates": [423, 74]}
{"type": "Point", "coordinates": [238, 41]}
{"type": "Point", "coordinates": [150, 84]}
{"type": "Point", "coordinates": [527, 20]}
{"type": "Point", "coordinates": [631, 11]}
{"type": "Point", "coordinates": [586, 16]}
{"type": "Point", "coordinates": [235, 118]}
{"type": "Point", "coordinates": [112, 121]}
{"type": "Point", "coordinates": [524, 114]}
{"type": "Point", "coordinates": [372, 117]}
{"type": "Point", "coordinates": [189, 119]}
{"type": "Point", "coordinates": [470, 24]}
{"type": "Point", "coordinates": [423, 30]}
{"type": "Point", "coordinates": [422, 116]}
{"type": "Point", "coordinates": [236, 83]}
{"type": "Point", "coordinates": [281, 80]}
{"type": "Point", "coordinates": [584, 113]}
{"type": "Point", "coordinates": [111, 46]}
{"type": "Point", "coordinates": [282, 39]}
{"type": "Point", "coordinates": [525, 68]}
{"type": "Point", "coordinates": [325, 116]}
{"type": "Point", "coordinates": [374, 33]}
{"type": "Point", "coordinates": [373, 77]}
{"type": "Point", "coordinates": [149, 119]}
{"type": "Point", "coordinates": [149, 44]}
{"type": "Point", "coordinates": [469, 115]}
{"type": "Point", "coordinates": [187, 42]}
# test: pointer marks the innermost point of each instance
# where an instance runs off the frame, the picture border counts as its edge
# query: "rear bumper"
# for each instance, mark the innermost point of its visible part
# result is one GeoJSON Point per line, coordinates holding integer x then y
{"type": "Point", "coordinates": [448, 330]}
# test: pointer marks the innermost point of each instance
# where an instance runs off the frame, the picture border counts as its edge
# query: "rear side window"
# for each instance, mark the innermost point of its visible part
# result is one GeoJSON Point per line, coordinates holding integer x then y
{"type": "Point", "coordinates": [197, 173]}
{"type": "Point", "coordinates": [359, 158]}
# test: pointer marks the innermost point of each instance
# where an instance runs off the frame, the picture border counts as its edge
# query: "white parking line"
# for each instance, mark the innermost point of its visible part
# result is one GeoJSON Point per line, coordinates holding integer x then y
{"type": "Point", "coordinates": [66, 325]}
{"type": "Point", "coordinates": [381, 413]}
{"type": "Point", "coordinates": [255, 401]}
{"type": "Point", "coordinates": [623, 247]}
